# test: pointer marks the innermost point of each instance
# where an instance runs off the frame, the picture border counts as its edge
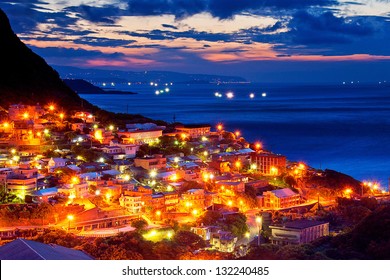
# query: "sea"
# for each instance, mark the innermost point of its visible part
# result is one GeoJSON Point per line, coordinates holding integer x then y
{"type": "Point", "coordinates": [343, 127]}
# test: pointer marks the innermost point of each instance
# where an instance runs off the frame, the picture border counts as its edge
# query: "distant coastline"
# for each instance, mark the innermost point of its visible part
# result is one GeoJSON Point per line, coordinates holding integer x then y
{"type": "Point", "coordinates": [84, 87]}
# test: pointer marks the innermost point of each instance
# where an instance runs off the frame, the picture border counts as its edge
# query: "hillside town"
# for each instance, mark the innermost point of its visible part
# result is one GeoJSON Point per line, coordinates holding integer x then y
{"type": "Point", "coordinates": [69, 171]}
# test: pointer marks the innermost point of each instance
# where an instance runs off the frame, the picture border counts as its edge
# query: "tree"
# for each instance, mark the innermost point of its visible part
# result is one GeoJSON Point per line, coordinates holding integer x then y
{"type": "Point", "coordinates": [65, 174]}
{"type": "Point", "coordinates": [189, 239]}
{"type": "Point", "coordinates": [209, 218]}
{"type": "Point", "coordinates": [140, 225]}
{"type": "Point", "coordinates": [43, 211]}
{"type": "Point", "coordinates": [236, 224]}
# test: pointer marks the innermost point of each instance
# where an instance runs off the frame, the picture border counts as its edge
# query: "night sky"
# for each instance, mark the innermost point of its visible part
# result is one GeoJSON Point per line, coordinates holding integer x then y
{"type": "Point", "coordinates": [265, 40]}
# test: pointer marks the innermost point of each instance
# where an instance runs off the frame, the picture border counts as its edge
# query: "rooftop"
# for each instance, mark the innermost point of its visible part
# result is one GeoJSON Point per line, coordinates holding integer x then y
{"type": "Point", "coordinates": [22, 249]}
{"type": "Point", "coordinates": [302, 224]}
{"type": "Point", "coordinates": [286, 192]}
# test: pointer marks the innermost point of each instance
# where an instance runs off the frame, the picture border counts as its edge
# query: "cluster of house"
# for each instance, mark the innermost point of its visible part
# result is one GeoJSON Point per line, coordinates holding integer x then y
{"type": "Point", "coordinates": [23, 171]}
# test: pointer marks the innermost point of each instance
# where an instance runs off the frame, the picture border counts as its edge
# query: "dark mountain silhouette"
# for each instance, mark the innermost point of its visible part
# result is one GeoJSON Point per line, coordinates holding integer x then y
{"type": "Point", "coordinates": [82, 86]}
{"type": "Point", "coordinates": [26, 77]}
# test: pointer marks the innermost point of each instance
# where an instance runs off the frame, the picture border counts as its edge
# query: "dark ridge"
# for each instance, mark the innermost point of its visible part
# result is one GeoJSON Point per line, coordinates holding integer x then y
{"type": "Point", "coordinates": [85, 87]}
{"type": "Point", "coordinates": [27, 78]}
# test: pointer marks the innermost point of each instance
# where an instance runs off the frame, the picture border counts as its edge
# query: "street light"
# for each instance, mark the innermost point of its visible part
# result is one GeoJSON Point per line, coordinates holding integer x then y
{"type": "Point", "coordinates": [259, 221]}
{"type": "Point", "coordinates": [158, 213]}
{"type": "Point", "coordinates": [70, 218]}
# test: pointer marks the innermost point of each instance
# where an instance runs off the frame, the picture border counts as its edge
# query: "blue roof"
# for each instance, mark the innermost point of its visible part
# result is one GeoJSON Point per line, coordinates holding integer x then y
{"type": "Point", "coordinates": [48, 191]}
{"type": "Point", "coordinates": [22, 249]}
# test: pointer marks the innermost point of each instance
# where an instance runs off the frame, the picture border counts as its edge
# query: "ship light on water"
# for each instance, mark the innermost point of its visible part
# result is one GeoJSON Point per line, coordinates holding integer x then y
{"type": "Point", "coordinates": [157, 92]}
{"type": "Point", "coordinates": [230, 95]}
{"type": "Point", "coordinates": [264, 94]}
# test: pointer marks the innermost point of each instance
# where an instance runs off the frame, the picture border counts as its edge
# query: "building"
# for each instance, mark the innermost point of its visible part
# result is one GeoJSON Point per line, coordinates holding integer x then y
{"type": "Point", "coordinates": [281, 198]}
{"type": "Point", "coordinates": [230, 187]}
{"type": "Point", "coordinates": [21, 184]}
{"type": "Point", "coordinates": [298, 232]}
{"type": "Point", "coordinates": [140, 136]}
{"type": "Point", "coordinates": [205, 231]}
{"type": "Point", "coordinates": [171, 201]}
{"type": "Point", "coordinates": [43, 195]}
{"type": "Point", "coordinates": [22, 249]}
{"type": "Point", "coordinates": [56, 163]}
{"type": "Point", "coordinates": [133, 204]}
{"type": "Point", "coordinates": [19, 112]}
{"type": "Point", "coordinates": [85, 116]}
{"type": "Point", "coordinates": [78, 126]}
{"type": "Point", "coordinates": [223, 241]}
{"type": "Point", "coordinates": [130, 150]}
{"type": "Point", "coordinates": [220, 240]}
{"type": "Point", "coordinates": [24, 133]}
{"type": "Point", "coordinates": [194, 130]}
{"type": "Point", "coordinates": [269, 164]}
{"type": "Point", "coordinates": [192, 199]}
{"type": "Point", "coordinates": [151, 162]}
{"type": "Point", "coordinates": [79, 190]}
{"type": "Point", "coordinates": [20, 181]}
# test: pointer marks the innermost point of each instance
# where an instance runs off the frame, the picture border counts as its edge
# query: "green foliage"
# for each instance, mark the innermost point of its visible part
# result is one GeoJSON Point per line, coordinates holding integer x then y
{"type": "Point", "coordinates": [236, 224]}
{"type": "Point", "coordinates": [140, 224]}
{"type": "Point", "coordinates": [209, 218]}
{"type": "Point", "coordinates": [65, 174]}
{"type": "Point", "coordinates": [86, 153]}
{"type": "Point", "coordinates": [189, 239]}
{"type": "Point", "coordinates": [290, 181]}
{"type": "Point", "coordinates": [6, 198]}
{"type": "Point", "coordinates": [43, 211]}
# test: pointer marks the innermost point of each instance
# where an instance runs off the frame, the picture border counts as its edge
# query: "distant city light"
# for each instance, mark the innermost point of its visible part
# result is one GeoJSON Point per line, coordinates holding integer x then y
{"type": "Point", "coordinates": [252, 95]}
{"type": "Point", "coordinates": [230, 95]}
{"type": "Point", "coordinates": [167, 89]}
{"type": "Point", "coordinates": [264, 94]}
{"type": "Point", "coordinates": [153, 173]}
{"type": "Point", "coordinates": [157, 92]}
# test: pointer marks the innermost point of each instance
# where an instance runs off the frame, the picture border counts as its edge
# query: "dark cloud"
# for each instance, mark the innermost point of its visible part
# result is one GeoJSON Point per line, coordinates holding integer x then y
{"type": "Point", "coordinates": [171, 35]}
{"type": "Point", "coordinates": [222, 9]}
{"type": "Point", "coordinates": [169, 26]}
{"type": "Point", "coordinates": [25, 15]}
{"type": "Point", "coordinates": [103, 42]}
{"type": "Point", "coordinates": [105, 14]}
{"type": "Point", "coordinates": [73, 53]}
{"type": "Point", "coordinates": [326, 28]}
{"type": "Point", "coordinates": [227, 9]}
{"type": "Point", "coordinates": [179, 8]}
